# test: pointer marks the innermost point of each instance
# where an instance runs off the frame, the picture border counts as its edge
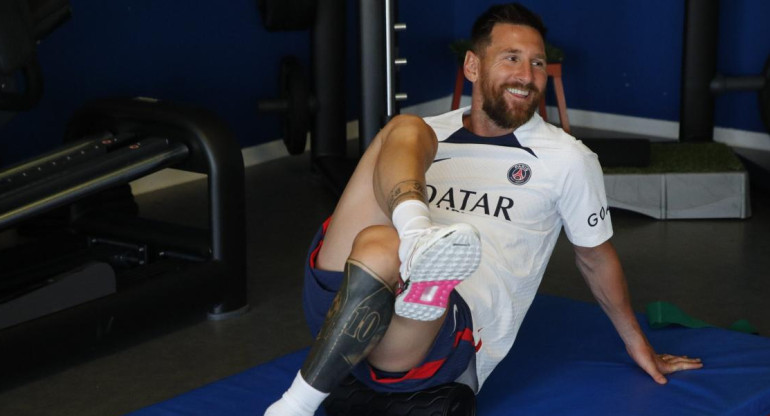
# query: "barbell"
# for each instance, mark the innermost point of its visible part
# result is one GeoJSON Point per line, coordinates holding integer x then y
{"type": "Point", "coordinates": [296, 104]}
{"type": "Point", "coordinates": [760, 83]}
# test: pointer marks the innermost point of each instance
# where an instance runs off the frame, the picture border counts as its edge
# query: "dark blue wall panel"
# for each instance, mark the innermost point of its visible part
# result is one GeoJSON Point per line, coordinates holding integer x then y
{"type": "Point", "coordinates": [209, 53]}
{"type": "Point", "coordinates": [621, 58]}
{"type": "Point", "coordinates": [431, 68]}
{"type": "Point", "coordinates": [625, 57]}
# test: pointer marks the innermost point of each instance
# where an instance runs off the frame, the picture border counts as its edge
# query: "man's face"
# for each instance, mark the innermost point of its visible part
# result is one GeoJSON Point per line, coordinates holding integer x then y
{"type": "Point", "coordinates": [512, 75]}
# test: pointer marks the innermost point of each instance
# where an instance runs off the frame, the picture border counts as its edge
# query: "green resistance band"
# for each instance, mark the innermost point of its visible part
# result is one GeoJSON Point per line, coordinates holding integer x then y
{"type": "Point", "coordinates": [662, 314]}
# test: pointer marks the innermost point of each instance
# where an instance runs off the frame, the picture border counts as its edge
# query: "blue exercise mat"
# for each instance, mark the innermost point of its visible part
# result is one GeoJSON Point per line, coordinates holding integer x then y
{"type": "Point", "coordinates": [567, 360]}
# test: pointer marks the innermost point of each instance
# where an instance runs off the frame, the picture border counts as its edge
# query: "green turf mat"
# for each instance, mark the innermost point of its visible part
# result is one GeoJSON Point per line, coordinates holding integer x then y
{"type": "Point", "coordinates": [686, 158]}
{"type": "Point", "coordinates": [662, 314]}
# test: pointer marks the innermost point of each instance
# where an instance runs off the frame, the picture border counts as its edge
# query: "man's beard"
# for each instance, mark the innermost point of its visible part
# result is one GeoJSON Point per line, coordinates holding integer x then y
{"type": "Point", "coordinates": [496, 107]}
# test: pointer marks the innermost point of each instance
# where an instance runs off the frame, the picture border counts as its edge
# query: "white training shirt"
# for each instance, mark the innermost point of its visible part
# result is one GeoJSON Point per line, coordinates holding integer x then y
{"type": "Point", "coordinates": [518, 190]}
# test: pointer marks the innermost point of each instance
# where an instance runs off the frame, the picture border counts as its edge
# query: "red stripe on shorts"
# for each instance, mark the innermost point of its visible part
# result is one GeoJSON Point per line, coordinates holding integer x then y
{"type": "Point", "coordinates": [424, 371]}
{"type": "Point", "coordinates": [467, 335]}
{"type": "Point", "coordinates": [316, 250]}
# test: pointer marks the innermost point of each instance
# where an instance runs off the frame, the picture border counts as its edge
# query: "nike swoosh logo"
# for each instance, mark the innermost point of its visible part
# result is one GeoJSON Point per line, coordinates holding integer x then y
{"type": "Point", "coordinates": [442, 159]}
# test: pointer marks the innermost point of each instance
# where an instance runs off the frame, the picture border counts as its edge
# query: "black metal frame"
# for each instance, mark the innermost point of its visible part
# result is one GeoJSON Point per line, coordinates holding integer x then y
{"type": "Point", "coordinates": [373, 61]}
{"type": "Point", "coordinates": [699, 63]}
{"type": "Point", "coordinates": [149, 136]}
{"type": "Point", "coordinates": [378, 67]}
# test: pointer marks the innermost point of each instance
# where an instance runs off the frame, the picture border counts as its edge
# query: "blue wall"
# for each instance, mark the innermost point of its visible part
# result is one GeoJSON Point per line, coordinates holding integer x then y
{"type": "Point", "coordinates": [621, 58]}
{"type": "Point", "coordinates": [196, 51]}
{"type": "Point", "coordinates": [625, 57]}
{"type": "Point", "coordinates": [431, 70]}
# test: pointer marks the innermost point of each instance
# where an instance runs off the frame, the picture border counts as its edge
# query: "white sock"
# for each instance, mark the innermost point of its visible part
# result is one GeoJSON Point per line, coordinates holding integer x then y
{"type": "Point", "coordinates": [301, 399]}
{"type": "Point", "coordinates": [410, 215]}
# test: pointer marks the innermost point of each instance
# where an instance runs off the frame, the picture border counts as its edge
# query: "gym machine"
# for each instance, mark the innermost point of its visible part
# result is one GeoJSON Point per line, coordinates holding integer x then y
{"type": "Point", "coordinates": [379, 67]}
{"type": "Point", "coordinates": [77, 239]}
{"type": "Point", "coordinates": [73, 247]}
{"type": "Point", "coordinates": [319, 106]}
{"type": "Point", "coordinates": [700, 80]}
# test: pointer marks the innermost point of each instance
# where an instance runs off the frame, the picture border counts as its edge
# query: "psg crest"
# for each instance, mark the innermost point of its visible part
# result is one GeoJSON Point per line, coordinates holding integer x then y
{"type": "Point", "coordinates": [519, 174]}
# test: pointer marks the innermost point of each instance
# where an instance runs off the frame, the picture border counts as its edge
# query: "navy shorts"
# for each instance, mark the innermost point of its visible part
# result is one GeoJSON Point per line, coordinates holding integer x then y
{"type": "Point", "coordinates": [449, 357]}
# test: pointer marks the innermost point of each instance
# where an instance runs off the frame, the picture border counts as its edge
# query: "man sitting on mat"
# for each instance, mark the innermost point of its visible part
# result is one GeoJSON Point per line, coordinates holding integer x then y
{"type": "Point", "coordinates": [438, 244]}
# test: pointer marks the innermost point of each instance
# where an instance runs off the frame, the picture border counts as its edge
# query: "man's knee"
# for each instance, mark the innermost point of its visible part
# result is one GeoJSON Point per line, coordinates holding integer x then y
{"type": "Point", "coordinates": [377, 248]}
{"type": "Point", "coordinates": [411, 127]}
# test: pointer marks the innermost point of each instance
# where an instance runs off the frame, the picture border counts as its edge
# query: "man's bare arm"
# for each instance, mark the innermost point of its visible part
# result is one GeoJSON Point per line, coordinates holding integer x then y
{"type": "Point", "coordinates": [603, 272]}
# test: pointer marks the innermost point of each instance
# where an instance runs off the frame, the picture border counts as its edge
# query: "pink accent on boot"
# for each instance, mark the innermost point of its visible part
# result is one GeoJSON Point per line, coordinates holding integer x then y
{"type": "Point", "coordinates": [434, 293]}
{"type": "Point", "coordinates": [440, 260]}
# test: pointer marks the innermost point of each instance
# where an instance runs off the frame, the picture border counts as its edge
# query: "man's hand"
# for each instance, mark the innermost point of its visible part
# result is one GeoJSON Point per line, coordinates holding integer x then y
{"type": "Point", "coordinates": [658, 365]}
{"type": "Point", "coordinates": [601, 269]}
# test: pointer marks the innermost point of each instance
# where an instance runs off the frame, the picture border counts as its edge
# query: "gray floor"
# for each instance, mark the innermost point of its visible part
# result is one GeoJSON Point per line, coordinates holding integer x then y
{"type": "Point", "coordinates": [716, 270]}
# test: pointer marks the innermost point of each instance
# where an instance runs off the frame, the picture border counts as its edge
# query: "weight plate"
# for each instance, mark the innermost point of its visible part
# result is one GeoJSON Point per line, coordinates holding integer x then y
{"type": "Point", "coordinates": [296, 119]}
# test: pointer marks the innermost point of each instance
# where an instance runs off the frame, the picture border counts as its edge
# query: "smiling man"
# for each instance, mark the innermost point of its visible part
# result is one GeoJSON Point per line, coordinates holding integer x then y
{"type": "Point", "coordinates": [509, 65]}
{"type": "Point", "coordinates": [436, 248]}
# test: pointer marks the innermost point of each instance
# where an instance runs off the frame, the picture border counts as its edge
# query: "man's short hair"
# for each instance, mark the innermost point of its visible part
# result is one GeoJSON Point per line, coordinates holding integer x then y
{"type": "Point", "coordinates": [511, 13]}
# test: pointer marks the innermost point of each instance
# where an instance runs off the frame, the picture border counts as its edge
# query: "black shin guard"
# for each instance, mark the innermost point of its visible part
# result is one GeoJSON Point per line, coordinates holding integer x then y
{"type": "Point", "coordinates": [355, 323]}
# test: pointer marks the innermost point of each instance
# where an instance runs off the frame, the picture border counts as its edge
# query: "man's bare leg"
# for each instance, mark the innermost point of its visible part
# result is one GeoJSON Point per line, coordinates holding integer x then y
{"type": "Point", "coordinates": [364, 238]}
{"type": "Point", "coordinates": [360, 324]}
{"type": "Point", "coordinates": [388, 188]}
{"type": "Point", "coordinates": [388, 173]}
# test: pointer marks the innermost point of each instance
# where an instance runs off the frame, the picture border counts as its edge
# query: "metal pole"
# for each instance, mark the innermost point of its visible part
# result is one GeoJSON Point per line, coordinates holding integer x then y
{"type": "Point", "coordinates": [373, 76]}
{"type": "Point", "coordinates": [329, 79]}
{"type": "Point", "coordinates": [389, 77]}
{"type": "Point", "coordinates": [698, 69]}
